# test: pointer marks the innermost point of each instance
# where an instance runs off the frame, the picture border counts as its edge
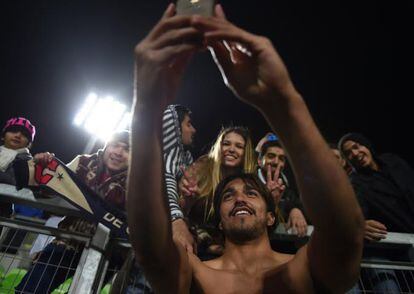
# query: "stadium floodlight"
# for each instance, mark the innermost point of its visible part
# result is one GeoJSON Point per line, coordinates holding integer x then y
{"type": "Point", "coordinates": [86, 108]}
{"type": "Point", "coordinates": [102, 116]}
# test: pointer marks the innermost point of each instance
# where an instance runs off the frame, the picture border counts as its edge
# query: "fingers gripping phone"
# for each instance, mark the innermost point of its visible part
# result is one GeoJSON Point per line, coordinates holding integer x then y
{"type": "Point", "coordinates": [200, 7]}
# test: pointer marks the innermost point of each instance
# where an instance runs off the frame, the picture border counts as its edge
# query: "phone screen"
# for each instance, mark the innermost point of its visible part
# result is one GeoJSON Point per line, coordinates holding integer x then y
{"type": "Point", "coordinates": [200, 7]}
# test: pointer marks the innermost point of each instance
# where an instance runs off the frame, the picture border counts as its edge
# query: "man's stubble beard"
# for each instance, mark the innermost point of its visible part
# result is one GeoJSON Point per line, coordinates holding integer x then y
{"type": "Point", "coordinates": [241, 232]}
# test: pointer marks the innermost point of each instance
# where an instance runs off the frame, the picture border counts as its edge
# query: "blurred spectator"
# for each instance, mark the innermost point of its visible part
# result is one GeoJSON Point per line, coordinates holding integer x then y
{"type": "Point", "coordinates": [16, 139]}
{"type": "Point", "coordinates": [272, 161]}
{"type": "Point", "coordinates": [344, 163]}
{"type": "Point", "coordinates": [105, 172]}
{"type": "Point", "coordinates": [178, 136]}
{"type": "Point", "coordinates": [384, 185]}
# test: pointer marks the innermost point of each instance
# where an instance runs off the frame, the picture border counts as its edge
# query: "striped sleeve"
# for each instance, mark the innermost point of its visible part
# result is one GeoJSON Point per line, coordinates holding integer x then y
{"type": "Point", "coordinates": [172, 162]}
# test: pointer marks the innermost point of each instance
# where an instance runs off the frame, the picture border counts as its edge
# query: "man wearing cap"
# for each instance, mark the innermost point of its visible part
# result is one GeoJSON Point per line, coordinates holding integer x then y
{"type": "Point", "coordinates": [105, 172]}
{"type": "Point", "coordinates": [384, 185]}
{"type": "Point", "coordinates": [271, 162]}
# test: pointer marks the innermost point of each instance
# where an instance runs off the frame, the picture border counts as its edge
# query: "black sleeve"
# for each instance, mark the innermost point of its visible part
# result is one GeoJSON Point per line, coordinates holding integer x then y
{"type": "Point", "coordinates": [7, 177]}
{"type": "Point", "coordinates": [21, 173]}
{"type": "Point", "coordinates": [290, 200]}
{"type": "Point", "coordinates": [361, 193]}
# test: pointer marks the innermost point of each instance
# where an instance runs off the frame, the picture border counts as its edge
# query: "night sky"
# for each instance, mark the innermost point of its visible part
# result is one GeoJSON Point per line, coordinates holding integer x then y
{"type": "Point", "coordinates": [351, 62]}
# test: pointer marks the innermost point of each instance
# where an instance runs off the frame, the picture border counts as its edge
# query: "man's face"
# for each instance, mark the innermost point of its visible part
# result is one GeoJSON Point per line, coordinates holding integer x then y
{"type": "Point", "coordinates": [187, 131]}
{"type": "Point", "coordinates": [243, 212]}
{"type": "Point", "coordinates": [15, 140]}
{"type": "Point", "coordinates": [232, 150]}
{"type": "Point", "coordinates": [274, 157]}
{"type": "Point", "coordinates": [116, 156]}
{"type": "Point", "coordinates": [358, 155]}
{"type": "Point", "coordinates": [339, 157]}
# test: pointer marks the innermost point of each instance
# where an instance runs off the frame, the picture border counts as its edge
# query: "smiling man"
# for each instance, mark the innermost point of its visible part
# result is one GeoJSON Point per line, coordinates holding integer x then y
{"type": "Point", "coordinates": [384, 185]}
{"type": "Point", "coordinates": [271, 163]}
{"type": "Point", "coordinates": [105, 172]}
{"type": "Point", "coordinates": [257, 75]}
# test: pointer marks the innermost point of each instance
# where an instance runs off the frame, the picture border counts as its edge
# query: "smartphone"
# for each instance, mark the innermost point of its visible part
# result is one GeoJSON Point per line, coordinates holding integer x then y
{"type": "Point", "coordinates": [200, 7]}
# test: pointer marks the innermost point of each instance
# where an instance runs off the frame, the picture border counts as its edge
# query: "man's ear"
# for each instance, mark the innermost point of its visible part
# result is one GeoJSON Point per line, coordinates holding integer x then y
{"type": "Point", "coordinates": [220, 226]}
{"type": "Point", "coordinates": [271, 218]}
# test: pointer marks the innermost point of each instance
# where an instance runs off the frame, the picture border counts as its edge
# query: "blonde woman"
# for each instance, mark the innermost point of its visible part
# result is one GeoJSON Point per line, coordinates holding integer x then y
{"type": "Point", "coordinates": [231, 153]}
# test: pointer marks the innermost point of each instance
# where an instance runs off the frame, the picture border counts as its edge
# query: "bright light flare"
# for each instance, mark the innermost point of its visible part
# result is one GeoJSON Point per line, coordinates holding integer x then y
{"type": "Point", "coordinates": [102, 116]}
{"type": "Point", "coordinates": [86, 108]}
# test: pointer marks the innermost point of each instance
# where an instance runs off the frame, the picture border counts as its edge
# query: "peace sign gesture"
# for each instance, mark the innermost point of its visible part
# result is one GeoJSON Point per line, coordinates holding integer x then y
{"type": "Point", "coordinates": [274, 183]}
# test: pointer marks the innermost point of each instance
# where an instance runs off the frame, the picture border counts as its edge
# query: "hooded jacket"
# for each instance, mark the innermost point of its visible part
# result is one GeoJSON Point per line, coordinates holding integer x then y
{"type": "Point", "coordinates": [387, 195]}
{"type": "Point", "coordinates": [175, 157]}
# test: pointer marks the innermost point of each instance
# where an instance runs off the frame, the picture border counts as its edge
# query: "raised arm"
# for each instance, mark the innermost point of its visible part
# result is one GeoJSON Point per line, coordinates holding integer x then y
{"type": "Point", "coordinates": [254, 71]}
{"type": "Point", "coordinates": [159, 62]}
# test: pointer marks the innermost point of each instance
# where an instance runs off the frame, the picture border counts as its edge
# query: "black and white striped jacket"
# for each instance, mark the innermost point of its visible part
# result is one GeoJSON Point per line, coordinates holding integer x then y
{"type": "Point", "coordinates": [175, 156]}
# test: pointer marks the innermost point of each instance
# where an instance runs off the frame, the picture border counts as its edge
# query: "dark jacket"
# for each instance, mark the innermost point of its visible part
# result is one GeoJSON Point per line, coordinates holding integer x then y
{"type": "Point", "coordinates": [387, 196]}
{"type": "Point", "coordinates": [89, 168]}
{"type": "Point", "coordinates": [7, 177]}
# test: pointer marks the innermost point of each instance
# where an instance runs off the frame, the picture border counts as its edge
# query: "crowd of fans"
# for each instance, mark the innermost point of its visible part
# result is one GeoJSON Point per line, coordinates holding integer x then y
{"type": "Point", "coordinates": [383, 183]}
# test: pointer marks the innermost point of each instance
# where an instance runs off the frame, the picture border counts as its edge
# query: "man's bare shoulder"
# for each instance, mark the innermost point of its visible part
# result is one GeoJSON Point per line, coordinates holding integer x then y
{"type": "Point", "coordinates": [284, 272]}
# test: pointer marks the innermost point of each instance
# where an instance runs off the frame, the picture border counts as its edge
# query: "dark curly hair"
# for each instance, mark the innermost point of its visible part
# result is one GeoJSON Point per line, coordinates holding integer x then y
{"type": "Point", "coordinates": [256, 183]}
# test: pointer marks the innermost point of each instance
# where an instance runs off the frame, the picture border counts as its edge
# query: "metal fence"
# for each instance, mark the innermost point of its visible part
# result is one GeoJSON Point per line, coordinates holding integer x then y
{"type": "Point", "coordinates": [99, 262]}
{"type": "Point", "coordinates": [80, 268]}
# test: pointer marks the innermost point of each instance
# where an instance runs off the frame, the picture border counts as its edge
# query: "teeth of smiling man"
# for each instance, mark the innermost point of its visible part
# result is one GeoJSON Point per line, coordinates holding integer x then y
{"type": "Point", "coordinates": [242, 212]}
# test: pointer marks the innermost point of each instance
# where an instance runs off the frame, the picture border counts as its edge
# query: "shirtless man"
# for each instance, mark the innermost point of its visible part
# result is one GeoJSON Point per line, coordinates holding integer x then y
{"type": "Point", "coordinates": [328, 263]}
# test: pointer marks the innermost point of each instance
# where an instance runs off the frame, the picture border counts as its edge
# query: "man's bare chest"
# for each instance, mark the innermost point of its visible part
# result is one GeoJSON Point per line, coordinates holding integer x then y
{"type": "Point", "coordinates": [272, 281]}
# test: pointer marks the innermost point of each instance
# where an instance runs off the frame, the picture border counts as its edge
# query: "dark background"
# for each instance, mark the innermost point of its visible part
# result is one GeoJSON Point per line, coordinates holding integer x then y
{"type": "Point", "coordinates": [351, 61]}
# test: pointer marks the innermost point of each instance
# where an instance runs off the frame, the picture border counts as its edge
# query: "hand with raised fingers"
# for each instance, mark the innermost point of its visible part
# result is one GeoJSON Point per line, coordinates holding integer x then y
{"type": "Point", "coordinates": [274, 183]}
{"type": "Point", "coordinates": [43, 158]}
{"type": "Point", "coordinates": [374, 230]}
{"type": "Point", "coordinates": [249, 64]}
{"type": "Point", "coordinates": [161, 57]}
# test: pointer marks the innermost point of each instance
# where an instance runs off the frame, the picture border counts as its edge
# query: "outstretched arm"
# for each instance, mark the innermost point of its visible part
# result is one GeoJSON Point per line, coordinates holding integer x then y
{"type": "Point", "coordinates": [159, 62]}
{"type": "Point", "coordinates": [254, 71]}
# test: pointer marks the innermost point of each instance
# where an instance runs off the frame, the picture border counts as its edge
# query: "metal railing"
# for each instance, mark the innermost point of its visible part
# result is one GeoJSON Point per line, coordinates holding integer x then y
{"type": "Point", "coordinates": [95, 269]}
{"type": "Point", "coordinates": [15, 259]}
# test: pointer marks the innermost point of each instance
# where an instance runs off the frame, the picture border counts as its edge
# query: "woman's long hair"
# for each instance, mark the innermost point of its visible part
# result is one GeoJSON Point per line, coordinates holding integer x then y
{"type": "Point", "coordinates": [210, 170]}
